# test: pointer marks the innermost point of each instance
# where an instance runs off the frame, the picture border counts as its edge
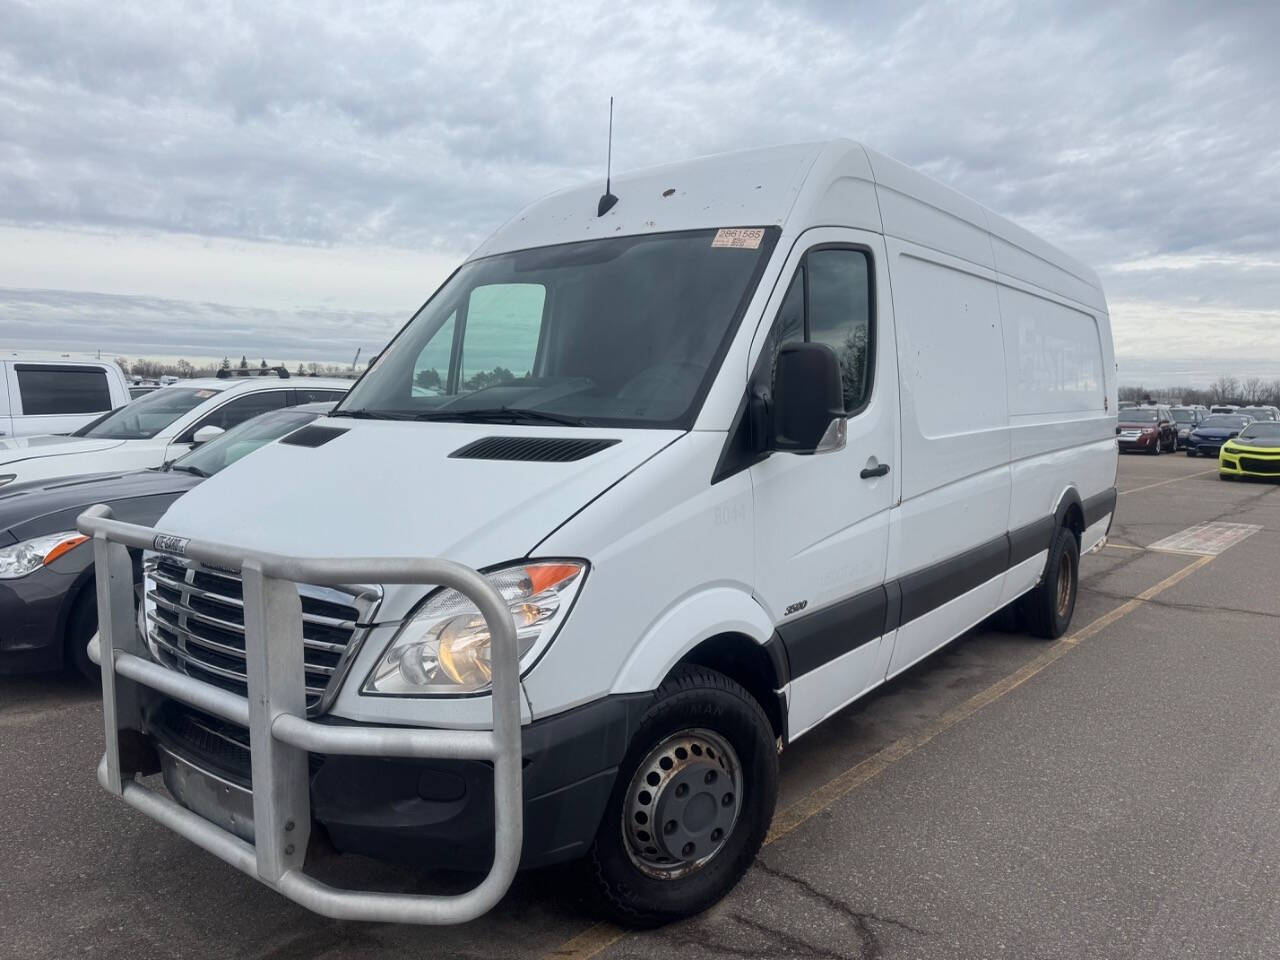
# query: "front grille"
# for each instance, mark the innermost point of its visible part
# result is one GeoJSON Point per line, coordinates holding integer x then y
{"type": "Point", "coordinates": [1258, 465]}
{"type": "Point", "coordinates": [196, 626]}
{"type": "Point", "coordinates": [209, 742]}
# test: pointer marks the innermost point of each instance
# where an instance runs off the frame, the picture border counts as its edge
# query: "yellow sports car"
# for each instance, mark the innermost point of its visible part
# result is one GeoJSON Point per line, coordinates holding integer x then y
{"type": "Point", "coordinates": [1255, 452]}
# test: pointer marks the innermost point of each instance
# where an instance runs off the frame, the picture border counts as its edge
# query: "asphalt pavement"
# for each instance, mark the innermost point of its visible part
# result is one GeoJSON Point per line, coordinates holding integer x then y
{"type": "Point", "coordinates": [1112, 794]}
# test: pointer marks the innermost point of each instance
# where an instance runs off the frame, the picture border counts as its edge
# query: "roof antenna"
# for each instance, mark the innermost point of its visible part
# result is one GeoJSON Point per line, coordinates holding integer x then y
{"type": "Point", "coordinates": [608, 200]}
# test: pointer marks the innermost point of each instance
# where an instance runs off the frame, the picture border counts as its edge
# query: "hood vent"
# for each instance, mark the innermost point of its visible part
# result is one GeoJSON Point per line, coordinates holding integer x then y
{"type": "Point", "coordinates": [540, 449]}
{"type": "Point", "coordinates": [313, 436]}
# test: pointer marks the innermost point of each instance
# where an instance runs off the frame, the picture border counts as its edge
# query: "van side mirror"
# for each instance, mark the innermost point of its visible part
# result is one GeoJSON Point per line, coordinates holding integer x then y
{"type": "Point", "coordinates": [205, 434]}
{"type": "Point", "coordinates": [807, 412]}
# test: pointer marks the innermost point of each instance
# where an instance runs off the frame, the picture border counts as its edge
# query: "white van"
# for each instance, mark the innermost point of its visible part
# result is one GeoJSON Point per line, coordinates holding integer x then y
{"type": "Point", "coordinates": [734, 452]}
{"type": "Point", "coordinates": [43, 394]}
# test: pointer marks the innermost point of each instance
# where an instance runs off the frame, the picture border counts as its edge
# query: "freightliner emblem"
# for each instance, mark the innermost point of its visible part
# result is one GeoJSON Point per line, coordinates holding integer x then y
{"type": "Point", "coordinates": [167, 543]}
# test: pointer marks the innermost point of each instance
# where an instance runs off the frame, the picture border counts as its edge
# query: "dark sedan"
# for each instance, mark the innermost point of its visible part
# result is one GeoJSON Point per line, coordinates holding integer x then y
{"type": "Point", "coordinates": [1212, 432]}
{"type": "Point", "coordinates": [48, 609]}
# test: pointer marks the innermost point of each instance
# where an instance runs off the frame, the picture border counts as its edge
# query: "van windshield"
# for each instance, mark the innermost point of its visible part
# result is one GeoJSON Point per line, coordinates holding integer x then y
{"type": "Point", "coordinates": [624, 331]}
{"type": "Point", "coordinates": [143, 418]}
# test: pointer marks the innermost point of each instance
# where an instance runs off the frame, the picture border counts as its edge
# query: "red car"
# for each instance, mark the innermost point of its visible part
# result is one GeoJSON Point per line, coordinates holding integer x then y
{"type": "Point", "coordinates": [1147, 430]}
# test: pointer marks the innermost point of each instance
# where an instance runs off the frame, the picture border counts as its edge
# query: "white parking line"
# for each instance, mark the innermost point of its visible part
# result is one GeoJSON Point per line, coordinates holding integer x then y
{"type": "Point", "coordinates": [1152, 486]}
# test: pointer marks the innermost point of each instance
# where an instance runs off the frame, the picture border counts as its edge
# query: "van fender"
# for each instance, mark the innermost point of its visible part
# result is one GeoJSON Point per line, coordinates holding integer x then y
{"type": "Point", "coordinates": [685, 624]}
{"type": "Point", "coordinates": [1069, 498]}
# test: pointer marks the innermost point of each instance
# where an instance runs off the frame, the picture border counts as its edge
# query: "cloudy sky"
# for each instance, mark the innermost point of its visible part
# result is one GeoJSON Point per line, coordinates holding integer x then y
{"type": "Point", "coordinates": [292, 180]}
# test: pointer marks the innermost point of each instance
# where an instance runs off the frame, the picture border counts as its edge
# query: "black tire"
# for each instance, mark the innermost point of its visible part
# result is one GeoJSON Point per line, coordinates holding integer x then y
{"type": "Point", "coordinates": [1008, 619]}
{"type": "Point", "coordinates": [1191, 452]}
{"type": "Point", "coordinates": [692, 699]}
{"type": "Point", "coordinates": [1155, 451]}
{"type": "Point", "coordinates": [1048, 608]}
{"type": "Point", "coordinates": [81, 624]}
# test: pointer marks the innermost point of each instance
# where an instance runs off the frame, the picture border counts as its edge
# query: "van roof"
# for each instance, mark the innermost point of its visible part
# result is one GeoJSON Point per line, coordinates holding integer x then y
{"type": "Point", "coordinates": [839, 182]}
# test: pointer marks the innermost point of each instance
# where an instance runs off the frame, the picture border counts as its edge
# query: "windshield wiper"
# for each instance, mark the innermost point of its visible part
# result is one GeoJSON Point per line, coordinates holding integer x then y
{"type": "Point", "coordinates": [194, 471]}
{"type": "Point", "coordinates": [503, 415]}
{"type": "Point", "coordinates": [366, 414]}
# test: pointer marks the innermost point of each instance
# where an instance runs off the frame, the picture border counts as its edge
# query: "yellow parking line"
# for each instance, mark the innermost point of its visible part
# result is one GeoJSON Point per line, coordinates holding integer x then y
{"type": "Point", "coordinates": [1152, 486]}
{"type": "Point", "coordinates": [1124, 546]}
{"type": "Point", "coordinates": [599, 937]}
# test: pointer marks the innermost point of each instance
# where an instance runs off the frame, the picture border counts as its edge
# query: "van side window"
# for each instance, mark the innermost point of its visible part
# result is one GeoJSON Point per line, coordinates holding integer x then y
{"type": "Point", "coordinates": [500, 338]}
{"type": "Point", "coordinates": [62, 389]}
{"type": "Point", "coordinates": [829, 301]}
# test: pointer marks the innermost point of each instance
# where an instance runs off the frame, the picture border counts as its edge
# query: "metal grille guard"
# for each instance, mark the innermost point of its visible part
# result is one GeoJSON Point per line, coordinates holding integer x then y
{"type": "Point", "coordinates": [280, 736]}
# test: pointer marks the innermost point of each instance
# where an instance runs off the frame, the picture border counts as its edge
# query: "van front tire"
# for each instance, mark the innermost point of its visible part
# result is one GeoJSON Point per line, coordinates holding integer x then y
{"type": "Point", "coordinates": [1048, 608]}
{"type": "Point", "coordinates": [693, 801]}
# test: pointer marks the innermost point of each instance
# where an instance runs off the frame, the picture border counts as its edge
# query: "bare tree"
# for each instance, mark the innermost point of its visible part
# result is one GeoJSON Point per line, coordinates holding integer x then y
{"type": "Point", "coordinates": [1225, 388]}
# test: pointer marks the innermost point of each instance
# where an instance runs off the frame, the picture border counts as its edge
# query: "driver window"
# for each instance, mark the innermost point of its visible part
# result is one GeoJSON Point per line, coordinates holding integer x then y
{"type": "Point", "coordinates": [501, 333]}
{"type": "Point", "coordinates": [829, 302]}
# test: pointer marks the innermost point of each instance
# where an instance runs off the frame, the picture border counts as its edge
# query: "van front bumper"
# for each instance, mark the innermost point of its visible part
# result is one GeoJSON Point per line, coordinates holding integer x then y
{"type": "Point", "coordinates": [432, 813]}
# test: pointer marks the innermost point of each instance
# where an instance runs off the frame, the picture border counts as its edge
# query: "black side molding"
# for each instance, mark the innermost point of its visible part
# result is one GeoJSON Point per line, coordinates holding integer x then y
{"type": "Point", "coordinates": [1098, 506]}
{"type": "Point", "coordinates": [817, 638]}
{"type": "Point", "coordinates": [833, 631]}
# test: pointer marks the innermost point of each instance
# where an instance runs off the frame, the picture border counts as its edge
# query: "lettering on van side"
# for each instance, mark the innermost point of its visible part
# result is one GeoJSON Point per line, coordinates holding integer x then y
{"type": "Point", "coordinates": [728, 513]}
{"type": "Point", "coordinates": [795, 607]}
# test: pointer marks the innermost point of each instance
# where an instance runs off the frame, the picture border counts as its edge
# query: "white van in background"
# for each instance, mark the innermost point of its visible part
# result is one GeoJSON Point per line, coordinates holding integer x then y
{"type": "Point", "coordinates": [735, 447]}
{"type": "Point", "coordinates": [40, 394]}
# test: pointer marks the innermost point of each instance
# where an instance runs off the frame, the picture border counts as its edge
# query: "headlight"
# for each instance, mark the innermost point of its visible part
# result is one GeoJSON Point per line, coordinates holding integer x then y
{"type": "Point", "coordinates": [443, 647]}
{"type": "Point", "coordinates": [19, 559]}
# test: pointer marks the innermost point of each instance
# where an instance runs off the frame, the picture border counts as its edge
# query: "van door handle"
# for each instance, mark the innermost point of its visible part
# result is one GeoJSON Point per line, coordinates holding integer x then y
{"type": "Point", "coordinates": [870, 472]}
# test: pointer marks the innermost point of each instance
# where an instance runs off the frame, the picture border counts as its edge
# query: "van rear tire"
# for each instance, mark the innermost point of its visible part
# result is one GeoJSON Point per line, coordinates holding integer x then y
{"type": "Point", "coordinates": [679, 781]}
{"type": "Point", "coordinates": [1049, 607]}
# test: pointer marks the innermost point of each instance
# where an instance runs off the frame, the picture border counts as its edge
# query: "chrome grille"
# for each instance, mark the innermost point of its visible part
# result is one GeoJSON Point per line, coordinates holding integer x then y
{"type": "Point", "coordinates": [195, 625]}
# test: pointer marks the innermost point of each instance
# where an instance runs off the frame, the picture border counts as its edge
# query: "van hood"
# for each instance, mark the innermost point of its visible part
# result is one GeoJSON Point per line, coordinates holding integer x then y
{"type": "Point", "coordinates": [392, 489]}
{"type": "Point", "coordinates": [14, 449]}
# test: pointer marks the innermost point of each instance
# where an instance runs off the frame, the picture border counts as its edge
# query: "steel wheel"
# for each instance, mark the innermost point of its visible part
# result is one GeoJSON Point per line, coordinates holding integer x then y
{"type": "Point", "coordinates": [682, 803]}
{"type": "Point", "coordinates": [1065, 576]}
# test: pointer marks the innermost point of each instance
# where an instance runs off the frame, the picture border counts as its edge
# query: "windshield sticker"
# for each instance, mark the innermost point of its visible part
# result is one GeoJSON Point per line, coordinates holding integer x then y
{"type": "Point", "coordinates": [739, 238]}
{"type": "Point", "coordinates": [205, 394]}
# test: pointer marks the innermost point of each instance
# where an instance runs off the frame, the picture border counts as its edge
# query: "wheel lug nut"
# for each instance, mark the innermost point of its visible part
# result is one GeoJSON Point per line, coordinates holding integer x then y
{"type": "Point", "coordinates": [727, 800]}
{"type": "Point", "coordinates": [682, 789]}
{"type": "Point", "coordinates": [687, 850]}
{"type": "Point", "coordinates": [669, 827]}
{"type": "Point", "coordinates": [710, 777]}
{"type": "Point", "coordinates": [716, 835]}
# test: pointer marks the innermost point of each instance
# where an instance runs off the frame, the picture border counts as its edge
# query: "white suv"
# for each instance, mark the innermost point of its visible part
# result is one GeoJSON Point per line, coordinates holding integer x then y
{"type": "Point", "coordinates": [56, 394]}
{"type": "Point", "coordinates": [160, 426]}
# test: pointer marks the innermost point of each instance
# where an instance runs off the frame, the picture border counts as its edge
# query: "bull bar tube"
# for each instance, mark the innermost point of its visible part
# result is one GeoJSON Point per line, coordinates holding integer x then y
{"type": "Point", "coordinates": [280, 735]}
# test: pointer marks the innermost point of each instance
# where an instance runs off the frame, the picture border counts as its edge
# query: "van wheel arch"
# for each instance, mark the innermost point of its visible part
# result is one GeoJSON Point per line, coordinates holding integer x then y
{"type": "Point", "coordinates": [760, 669]}
{"type": "Point", "coordinates": [1070, 514]}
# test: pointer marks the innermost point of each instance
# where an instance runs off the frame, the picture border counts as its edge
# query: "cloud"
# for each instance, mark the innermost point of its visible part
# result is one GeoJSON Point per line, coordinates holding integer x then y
{"type": "Point", "coordinates": [1141, 137]}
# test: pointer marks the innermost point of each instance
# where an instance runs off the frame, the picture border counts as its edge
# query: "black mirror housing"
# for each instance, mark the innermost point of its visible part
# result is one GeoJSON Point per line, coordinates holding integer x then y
{"type": "Point", "coordinates": [808, 396]}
